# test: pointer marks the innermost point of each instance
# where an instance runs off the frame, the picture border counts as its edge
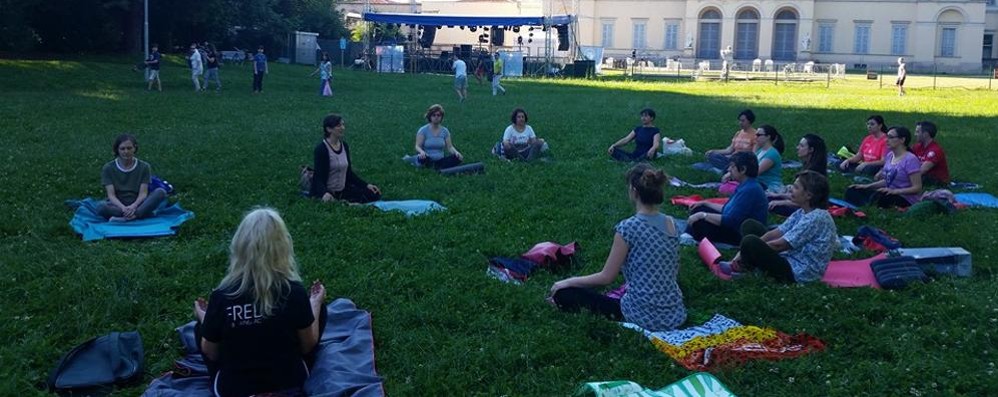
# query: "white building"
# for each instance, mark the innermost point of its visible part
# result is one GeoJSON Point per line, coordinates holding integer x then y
{"type": "Point", "coordinates": [948, 35]}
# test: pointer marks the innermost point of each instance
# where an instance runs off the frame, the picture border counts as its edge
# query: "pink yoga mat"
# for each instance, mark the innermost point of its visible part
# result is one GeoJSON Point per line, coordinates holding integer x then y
{"type": "Point", "coordinates": [851, 273]}
{"type": "Point", "coordinates": [710, 257]}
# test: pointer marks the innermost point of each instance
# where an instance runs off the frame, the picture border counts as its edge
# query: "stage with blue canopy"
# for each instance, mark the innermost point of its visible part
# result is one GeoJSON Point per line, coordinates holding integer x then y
{"type": "Point", "coordinates": [466, 20]}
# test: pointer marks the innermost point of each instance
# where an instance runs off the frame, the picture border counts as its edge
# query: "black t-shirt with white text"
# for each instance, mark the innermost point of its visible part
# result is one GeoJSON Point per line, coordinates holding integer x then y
{"type": "Point", "coordinates": [258, 353]}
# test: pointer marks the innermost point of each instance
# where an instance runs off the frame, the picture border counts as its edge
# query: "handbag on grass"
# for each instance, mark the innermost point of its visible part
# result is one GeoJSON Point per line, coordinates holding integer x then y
{"type": "Point", "coordinates": [897, 272]}
{"type": "Point", "coordinates": [99, 363]}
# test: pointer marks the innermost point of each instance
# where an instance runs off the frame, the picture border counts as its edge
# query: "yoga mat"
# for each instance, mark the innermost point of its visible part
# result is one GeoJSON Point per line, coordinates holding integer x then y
{"type": "Point", "coordinates": [851, 273]}
{"type": "Point", "coordinates": [977, 199]}
{"type": "Point", "coordinates": [687, 201]}
{"type": "Point", "coordinates": [167, 218]}
{"type": "Point", "coordinates": [409, 207]}
{"type": "Point", "coordinates": [473, 168]}
{"type": "Point", "coordinates": [710, 257]}
{"type": "Point", "coordinates": [842, 203]}
{"type": "Point", "coordinates": [344, 363]}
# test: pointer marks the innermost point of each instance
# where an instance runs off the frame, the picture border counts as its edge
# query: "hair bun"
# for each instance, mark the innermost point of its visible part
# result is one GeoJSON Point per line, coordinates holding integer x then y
{"type": "Point", "coordinates": [653, 178]}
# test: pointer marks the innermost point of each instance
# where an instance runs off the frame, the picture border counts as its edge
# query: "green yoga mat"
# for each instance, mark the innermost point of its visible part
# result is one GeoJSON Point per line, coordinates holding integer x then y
{"type": "Point", "coordinates": [700, 384]}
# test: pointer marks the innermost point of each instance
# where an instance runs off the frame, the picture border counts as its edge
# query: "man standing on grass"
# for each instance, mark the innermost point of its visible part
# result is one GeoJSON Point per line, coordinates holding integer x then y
{"type": "Point", "coordinates": [902, 74]}
{"type": "Point", "coordinates": [497, 74]}
{"type": "Point", "coordinates": [460, 78]}
{"type": "Point", "coordinates": [152, 63]}
{"type": "Point", "coordinates": [259, 69]}
{"type": "Point", "coordinates": [211, 74]}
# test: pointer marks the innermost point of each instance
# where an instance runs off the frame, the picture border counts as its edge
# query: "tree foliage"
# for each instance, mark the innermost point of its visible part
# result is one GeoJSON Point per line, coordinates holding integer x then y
{"type": "Point", "coordinates": [116, 25]}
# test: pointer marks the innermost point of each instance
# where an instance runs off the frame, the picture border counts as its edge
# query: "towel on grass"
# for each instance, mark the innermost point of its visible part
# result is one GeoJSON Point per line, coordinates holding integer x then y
{"type": "Point", "coordinates": [344, 363]}
{"type": "Point", "coordinates": [87, 223]}
{"type": "Point", "coordinates": [409, 207]}
{"type": "Point", "coordinates": [722, 342]}
{"type": "Point", "coordinates": [700, 384]}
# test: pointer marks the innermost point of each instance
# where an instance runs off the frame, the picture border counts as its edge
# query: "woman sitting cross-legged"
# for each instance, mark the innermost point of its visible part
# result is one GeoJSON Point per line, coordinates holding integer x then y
{"type": "Point", "coordinates": [720, 224]}
{"type": "Point", "coordinates": [646, 250]}
{"type": "Point", "coordinates": [769, 148]}
{"type": "Point", "coordinates": [811, 150]}
{"type": "Point", "coordinates": [260, 325]}
{"type": "Point", "coordinates": [800, 248]}
{"type": "Point", "coordinates": [899, 183]}
{"type": "Point", "coordinates": [126, 180]}
{"type": "Point", "coordinates": [433, 143]}
{"type": "Point", "coordinates": [333, 178]}
{"type": "Point", "coordinates": [870, 157]}
{"type": "Point", "coordinates": [519, 142]}
{"type": "Point", "coordinates": [646, 139]}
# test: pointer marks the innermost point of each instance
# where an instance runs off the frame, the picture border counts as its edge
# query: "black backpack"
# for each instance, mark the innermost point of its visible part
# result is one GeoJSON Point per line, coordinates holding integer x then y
{"type": "Point", "coordinates": [95, 365]}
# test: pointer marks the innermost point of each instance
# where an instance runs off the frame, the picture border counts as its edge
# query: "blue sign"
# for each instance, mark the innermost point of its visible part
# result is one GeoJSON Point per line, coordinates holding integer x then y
{"type": "Point", "coordinates": [343, 43]}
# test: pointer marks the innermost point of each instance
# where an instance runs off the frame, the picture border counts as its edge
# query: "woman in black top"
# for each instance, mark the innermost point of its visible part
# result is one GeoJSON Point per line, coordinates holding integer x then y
{"type": "Point", "coordinates": [260, 323]}
{"type": "Point", "coordinates": [333, 177]}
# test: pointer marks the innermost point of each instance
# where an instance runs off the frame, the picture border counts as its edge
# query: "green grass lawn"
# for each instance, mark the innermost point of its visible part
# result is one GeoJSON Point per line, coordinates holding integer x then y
{"type": "Point", "coordinates": [442, 327]}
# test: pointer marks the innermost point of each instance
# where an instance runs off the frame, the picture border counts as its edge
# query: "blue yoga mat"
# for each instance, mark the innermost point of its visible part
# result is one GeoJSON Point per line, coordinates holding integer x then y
{"type": "Point", "coordinates": [842, 203]}
{"type": "Point", "coordinates": [409, 207]}
{"type": "Point", "coordinates": [91, 226]}
{"type": "Point", "coordinates": [977, 199]}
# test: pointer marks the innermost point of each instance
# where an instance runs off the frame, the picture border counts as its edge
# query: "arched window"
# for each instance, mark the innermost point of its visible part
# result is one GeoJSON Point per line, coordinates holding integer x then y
{"type": "Point", "coordinates": [785, 36]}
{"type": "Point", "coordinates": [948, 23]}
{"type": "Point", "coordinates": [747, 35]}
{"type": "Point", "coordinates": [709, 46]}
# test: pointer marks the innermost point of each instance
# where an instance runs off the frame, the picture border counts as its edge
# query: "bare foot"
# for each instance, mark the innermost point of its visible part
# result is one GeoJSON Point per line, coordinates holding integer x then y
{"type": "Point", "coordinates": [317, 294]}
{"type": "Point", "coordinates": [200, 307]}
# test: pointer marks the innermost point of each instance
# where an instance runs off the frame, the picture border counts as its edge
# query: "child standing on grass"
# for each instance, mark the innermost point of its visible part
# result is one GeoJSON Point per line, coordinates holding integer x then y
{"type": "Point", "coordinates": [259, 69]}
{"type": "Point", "coordinates": [646, 249]}
{"type": "Point", "coordinates": [152, 63]}
{"type": "Point", "coordinates": [325, 71]}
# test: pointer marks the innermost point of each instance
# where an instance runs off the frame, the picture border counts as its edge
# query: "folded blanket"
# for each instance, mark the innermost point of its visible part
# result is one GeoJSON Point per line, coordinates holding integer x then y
{"type": "Point", "coordinates": [91, 226]}
{"type": "Point", "coordinates": [344, 363]}
{"type": "Point", "coordinates": [409, 207]}
{"type": "Point", "coordinates": [700, 384]}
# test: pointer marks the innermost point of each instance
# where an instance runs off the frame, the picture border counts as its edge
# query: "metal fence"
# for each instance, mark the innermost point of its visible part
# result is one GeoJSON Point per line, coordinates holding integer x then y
{"type": "Point", "coordinates": [796, 72]}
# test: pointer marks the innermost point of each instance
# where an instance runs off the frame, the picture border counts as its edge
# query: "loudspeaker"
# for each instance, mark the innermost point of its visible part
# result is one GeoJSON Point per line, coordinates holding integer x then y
{"type": "Point", "coordinates": [429, 33]}
{"type": "Point", "coordinates": [466, 51]}
{"type": "Point", "coordinates": [563, 42]}
{"type": "Point", "coordinates": [497, 35]}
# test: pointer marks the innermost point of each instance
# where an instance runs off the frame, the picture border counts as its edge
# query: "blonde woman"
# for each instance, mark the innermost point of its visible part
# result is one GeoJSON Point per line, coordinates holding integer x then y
{"type": "Point", "coordinates": [260, 323]}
